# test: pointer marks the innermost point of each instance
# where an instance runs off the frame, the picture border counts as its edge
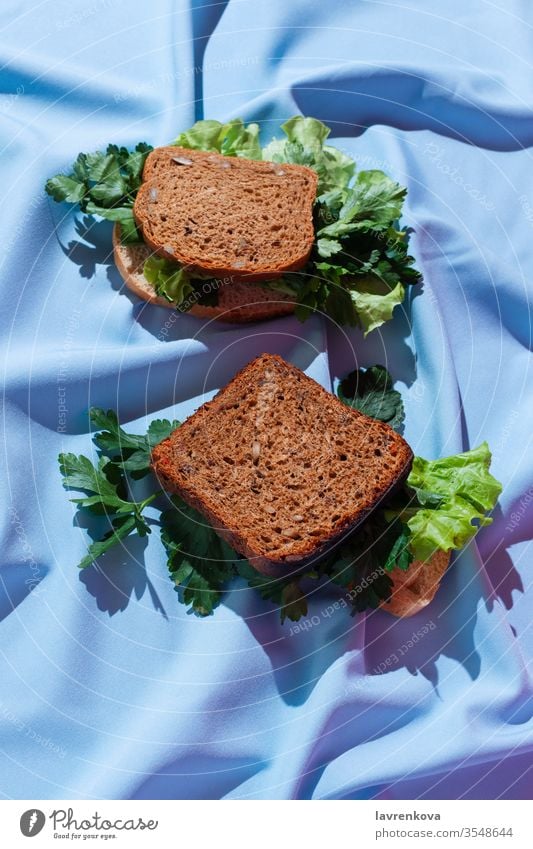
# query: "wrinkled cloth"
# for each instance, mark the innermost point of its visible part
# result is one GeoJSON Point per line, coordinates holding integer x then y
{"type": "Point", "coordinates": [109, 688]}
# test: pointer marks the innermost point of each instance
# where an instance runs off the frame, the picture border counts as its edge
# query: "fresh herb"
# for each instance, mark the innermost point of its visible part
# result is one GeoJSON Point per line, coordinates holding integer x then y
{"type": "Point", "coordinates": [126, 450]}
{"type": "Point", "coordinates": [105, 184]}
{"type": "Point", "coordinates": [104, 498]}
{"type": "Point", "coordinates": [106, 483]}
{"type": "Point", "coordinates": [200, 563]}
{"type": "Point", "coordinates": [286, 593]}
{"type": "Point", "coordinates": [371, 392]}
{"type": "Point", "coordinates": [440, 508]}
{"type": "Point", "coordinates": [449, 500]}
{"type": "Point", "coordinates": [359, 266]}
{"type": "Point", "coordinates": [362, 564]}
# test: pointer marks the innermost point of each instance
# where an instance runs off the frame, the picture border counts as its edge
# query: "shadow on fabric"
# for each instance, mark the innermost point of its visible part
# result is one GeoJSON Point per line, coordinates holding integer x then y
{"type": "Point", "coordinates": [418, 104]}
{"type": "Point", "coordinates": [198, 777]}
{"type": "Point", "coordinates": [17, 581]}
{"type": "Point", "coordinates": [119, 576]}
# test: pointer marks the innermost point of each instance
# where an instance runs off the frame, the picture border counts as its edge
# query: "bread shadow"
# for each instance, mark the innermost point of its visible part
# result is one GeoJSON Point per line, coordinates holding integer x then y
{"type": "Point", "coordinates": [446, 626]}
{"type": "Point", "coordinates": [500, 569]}
{"type": "Point", "coordinates": [300, 653]}
{"type": "Point", "coordinates": [416, 643]}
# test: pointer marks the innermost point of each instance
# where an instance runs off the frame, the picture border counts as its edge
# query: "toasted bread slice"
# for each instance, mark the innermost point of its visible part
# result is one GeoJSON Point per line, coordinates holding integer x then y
{"type": "Point", "coordinates": [279, 467]}
{"type": "Point", "coordinates": [226, 215]}
{"type": "Point", "coordinates": [415, 588]}
{"type": "Point", "coordinates": [238, 302]}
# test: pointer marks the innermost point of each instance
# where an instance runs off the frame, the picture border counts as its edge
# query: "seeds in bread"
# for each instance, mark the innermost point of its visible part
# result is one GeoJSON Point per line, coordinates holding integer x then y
{"type": "Point", "coordinates": [226, 215]}
{"type": "Point", "coordinates": [279, 467]}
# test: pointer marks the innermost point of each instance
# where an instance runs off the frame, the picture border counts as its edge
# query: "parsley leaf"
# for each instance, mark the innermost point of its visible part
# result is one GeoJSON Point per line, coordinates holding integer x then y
{"type": "Point", "coordinates": [285, 593]}
{"type": "Point", "coordinates": [63, 188]}
{"type": "Point", "coordinates": [200, 563]}
{"type": "Point", "coordinates": [127, 450]}
{"type": "Point", "coordinates": [361, 564]}
{"type": "Point", "coordinates": [79, 473]}
{"type": "Point", "coordinates": [121, 527]}
{"type": "Point", "coordinates": [104, 184]}
{"type": "Point", "coordinates": [371, 392]}
{"type": "Point", "coordinates": [372, 203]}
{"type": "Point", "coordinates": [103, 497]}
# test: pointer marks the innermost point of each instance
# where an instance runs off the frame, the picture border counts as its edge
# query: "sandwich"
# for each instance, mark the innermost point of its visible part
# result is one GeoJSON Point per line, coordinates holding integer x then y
{"type": "Point", "coordinates": [216, 225]}
{"type": "Point", "coordinates": [278, 482]}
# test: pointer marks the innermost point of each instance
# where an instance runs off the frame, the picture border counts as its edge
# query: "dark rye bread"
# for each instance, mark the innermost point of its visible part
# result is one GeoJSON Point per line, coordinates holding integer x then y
{"type": "Point", "coordinates": [226, 215]}
{"type": "Point", "coordinates": [238, 302]}
{"type": "Point", "coordinates": [279, 467]}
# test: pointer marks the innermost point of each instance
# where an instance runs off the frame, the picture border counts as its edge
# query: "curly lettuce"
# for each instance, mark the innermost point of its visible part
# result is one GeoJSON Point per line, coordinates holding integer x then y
{"type": "Point", "coordinates": [453, 496]}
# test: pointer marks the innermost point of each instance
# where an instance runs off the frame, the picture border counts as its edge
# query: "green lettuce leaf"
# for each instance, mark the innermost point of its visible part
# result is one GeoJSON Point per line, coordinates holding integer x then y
{"type": "Point", "coordinates": [169, 279]}
{"type": "Point", "coordinates": [375, 303]}
{"type": "Point", "coordinates": [305, 145]}
{"type": "Point", "coordinates": [461, 490]}
{"type": "Point", "coordinates": [234, 138]}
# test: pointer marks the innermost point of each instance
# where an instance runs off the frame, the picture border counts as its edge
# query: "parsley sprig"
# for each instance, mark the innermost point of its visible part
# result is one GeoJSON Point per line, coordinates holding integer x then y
{"type": "Point", "coordinates": [105, 184]}
{"type": "Point", "coordinates": [106, 482]}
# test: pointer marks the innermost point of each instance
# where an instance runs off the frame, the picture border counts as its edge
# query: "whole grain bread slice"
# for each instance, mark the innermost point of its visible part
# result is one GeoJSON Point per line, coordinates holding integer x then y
{"type": "Point", "coordinates": [238, 301]}
{"type": "Point", "coordinates": [279, 467]}
{"type": "Point", "coordinates": [226, 215]}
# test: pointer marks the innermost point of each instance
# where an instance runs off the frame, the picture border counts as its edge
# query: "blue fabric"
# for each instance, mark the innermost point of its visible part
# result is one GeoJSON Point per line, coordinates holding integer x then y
{"type": "Point", "coordinates": [108, 687]}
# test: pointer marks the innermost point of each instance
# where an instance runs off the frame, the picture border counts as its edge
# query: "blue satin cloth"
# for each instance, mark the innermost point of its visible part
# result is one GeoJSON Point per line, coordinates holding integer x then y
{"type": "Point", "coordinates": [109, 689]}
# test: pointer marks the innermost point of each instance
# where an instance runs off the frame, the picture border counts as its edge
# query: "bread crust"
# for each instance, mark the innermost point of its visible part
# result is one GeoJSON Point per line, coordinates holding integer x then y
{"type": "Point", "coordinates": [239, 302]}
{"type": "Point", "coordinates": [416, 587]}
{"type": "Point", "coordinates": [302, 553]}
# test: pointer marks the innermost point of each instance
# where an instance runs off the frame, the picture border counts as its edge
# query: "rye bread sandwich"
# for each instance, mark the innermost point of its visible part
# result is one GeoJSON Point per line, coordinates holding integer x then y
{"type": "Point", "coordinates": [288, 475]}
{"type": "Point", "coordinates": [280, 468]}
{"type": "Point", "coordinates": [216, 225]}
{"type": "Point", "coordinates": [279, 483]}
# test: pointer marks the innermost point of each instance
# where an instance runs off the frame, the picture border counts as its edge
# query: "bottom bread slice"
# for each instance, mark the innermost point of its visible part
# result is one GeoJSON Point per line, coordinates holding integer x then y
{"type": "Point", "coordinates": [279, 467]}
{"type": "Point", "coordinates": [238, 301]}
